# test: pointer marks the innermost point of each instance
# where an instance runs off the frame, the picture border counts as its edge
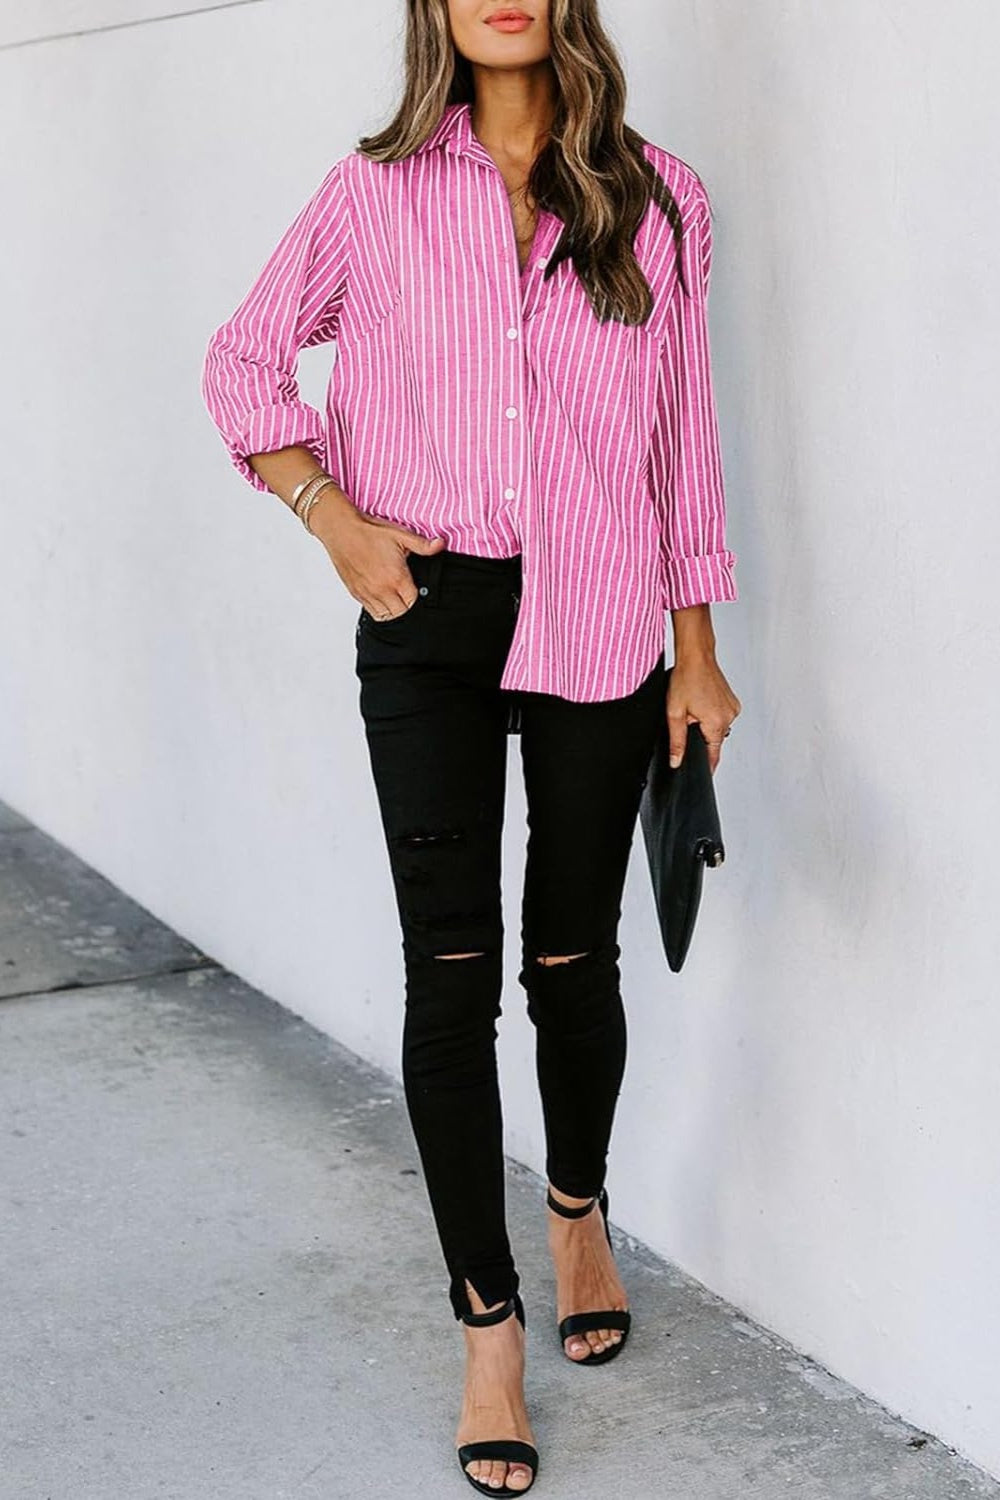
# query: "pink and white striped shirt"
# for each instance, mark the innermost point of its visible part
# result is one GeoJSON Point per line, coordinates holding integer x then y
{"type": "Point", "coordinates": [489, 406]}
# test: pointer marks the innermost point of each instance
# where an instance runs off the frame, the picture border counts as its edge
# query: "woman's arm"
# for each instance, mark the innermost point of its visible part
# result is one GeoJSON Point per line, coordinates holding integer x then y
{"type": "Point", "coordinates": [273, 437]}
{"type": "Point", "coordinates": [688, 486]}
{"type": "Point", "coordinates": [248, 379]}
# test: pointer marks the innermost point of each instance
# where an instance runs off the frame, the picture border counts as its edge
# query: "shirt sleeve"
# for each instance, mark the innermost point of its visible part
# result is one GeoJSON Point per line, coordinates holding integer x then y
{"type": "Point", "coordinates": [248, 377]}
{"type": "Point", "coordinates": [685, 465]}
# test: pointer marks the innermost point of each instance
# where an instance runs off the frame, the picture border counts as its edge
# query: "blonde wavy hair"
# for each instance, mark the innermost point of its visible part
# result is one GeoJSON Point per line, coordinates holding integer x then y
{"type": "Point", "coordinates": [591, 172]}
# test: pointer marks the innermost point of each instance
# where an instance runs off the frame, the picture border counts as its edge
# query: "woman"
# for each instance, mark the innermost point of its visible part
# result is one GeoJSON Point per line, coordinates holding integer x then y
{"type": "Point", "coordinates": [517, 473]}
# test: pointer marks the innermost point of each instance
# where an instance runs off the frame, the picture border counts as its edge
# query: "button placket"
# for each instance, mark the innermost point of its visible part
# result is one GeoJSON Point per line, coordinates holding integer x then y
{"type": "Point", "coordinates": [518, 291]}
{"type": "Point", "coordinates": [514, 334]}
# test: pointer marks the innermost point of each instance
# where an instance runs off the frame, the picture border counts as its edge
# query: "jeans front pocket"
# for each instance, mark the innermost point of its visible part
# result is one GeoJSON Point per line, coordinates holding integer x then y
{"type": "Point", "coordinates": [396, 642]}
{"type": "Point", "coordinates": [370, 621]}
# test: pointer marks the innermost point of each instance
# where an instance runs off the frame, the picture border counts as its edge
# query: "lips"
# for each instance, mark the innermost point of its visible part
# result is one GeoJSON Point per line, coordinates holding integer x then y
{"type": "Point", "coordinates": [508, 13]}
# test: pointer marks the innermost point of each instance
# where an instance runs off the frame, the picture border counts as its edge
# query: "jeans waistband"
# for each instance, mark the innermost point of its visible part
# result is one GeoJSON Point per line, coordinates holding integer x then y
{"type": "Point", "coordinates": [433, 570]}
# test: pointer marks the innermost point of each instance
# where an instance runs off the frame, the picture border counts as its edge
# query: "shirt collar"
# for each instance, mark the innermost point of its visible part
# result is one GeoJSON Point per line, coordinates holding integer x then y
{"type": "Point", "coordinates": [453, 132]}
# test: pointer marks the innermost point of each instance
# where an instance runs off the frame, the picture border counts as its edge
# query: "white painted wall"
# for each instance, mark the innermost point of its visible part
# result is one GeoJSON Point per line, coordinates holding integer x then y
{"type": "Point", "coordinates": [809, 1122]}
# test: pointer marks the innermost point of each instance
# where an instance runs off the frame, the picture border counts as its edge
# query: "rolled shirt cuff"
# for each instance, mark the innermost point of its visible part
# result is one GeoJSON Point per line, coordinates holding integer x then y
{"type": "Point", "coordinates": [268, 428]}
{"type": "Point", "coordinates": [703, 578]}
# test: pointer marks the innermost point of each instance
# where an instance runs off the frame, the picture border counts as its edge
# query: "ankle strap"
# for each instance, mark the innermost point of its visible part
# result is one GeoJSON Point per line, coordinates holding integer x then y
{"type": "Point", "coordinates": [565, 1210]}
{"type": "Point", "coordinates": [483, 1319]}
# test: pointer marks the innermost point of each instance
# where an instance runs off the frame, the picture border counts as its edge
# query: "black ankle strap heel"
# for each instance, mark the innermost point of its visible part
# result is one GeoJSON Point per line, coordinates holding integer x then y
{"type": "Point", "coordinates": [590, 1321]}
{"type": "Point", "coordinates": [484, 1319]}
{"type": "Point", "coordinates": [565, 1209]}
{"type": "Point", "coordinates": [506, 1450]}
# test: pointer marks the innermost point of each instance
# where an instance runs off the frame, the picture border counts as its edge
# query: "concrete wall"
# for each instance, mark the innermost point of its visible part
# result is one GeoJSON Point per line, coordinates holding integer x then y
{"type": "Point", "coordinates": [810, 1121]}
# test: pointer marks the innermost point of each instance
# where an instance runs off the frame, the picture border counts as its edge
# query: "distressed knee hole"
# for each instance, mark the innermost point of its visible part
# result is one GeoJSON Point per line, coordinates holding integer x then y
{"type": "Point", "coordinates": [480, 954]}
{"type": "Point", "coordinates": [548, 958]}
{"type": "Point", "coordinates": [421, 839]}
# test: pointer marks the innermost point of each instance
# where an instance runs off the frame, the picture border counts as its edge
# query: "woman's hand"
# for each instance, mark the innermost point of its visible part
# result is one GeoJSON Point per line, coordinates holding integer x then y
{"type": "Point", "coordinates": [370, 556]}
{"type": "Point", "coordinates": [699, 693]}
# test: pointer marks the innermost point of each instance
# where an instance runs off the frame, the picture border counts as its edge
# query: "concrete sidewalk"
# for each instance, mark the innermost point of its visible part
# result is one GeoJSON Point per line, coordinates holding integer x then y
{"type": "Point", "coordinates": [221, 1281]}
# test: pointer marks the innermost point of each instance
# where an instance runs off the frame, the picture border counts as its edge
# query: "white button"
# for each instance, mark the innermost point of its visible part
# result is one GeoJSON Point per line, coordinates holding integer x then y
{"type": "Point", "coordinates": [543, 262]}
{"type": "Point", "coordinates": [508, 493]}
{"type": "Point", "coordinates": [511, 411]}
{"type": "Point", "coordinates": [512, 333]}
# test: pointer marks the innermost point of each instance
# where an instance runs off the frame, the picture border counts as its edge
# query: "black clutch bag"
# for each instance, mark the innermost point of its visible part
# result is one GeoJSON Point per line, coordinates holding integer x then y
{"type": "Point", "coordinates": [681, 830]}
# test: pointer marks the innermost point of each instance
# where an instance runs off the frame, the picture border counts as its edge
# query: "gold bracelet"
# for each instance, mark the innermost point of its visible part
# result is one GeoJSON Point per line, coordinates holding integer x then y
{"type": "Point", "coordinates": [311, 501]}
{"type": "Point", "coordinates": [320, 477]}
{"type": "Point", "coordinates": [296, 493]}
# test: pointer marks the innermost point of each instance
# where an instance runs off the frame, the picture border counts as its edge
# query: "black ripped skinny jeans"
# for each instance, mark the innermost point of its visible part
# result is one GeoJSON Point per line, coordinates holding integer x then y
{"type": "Point", "coordinates": [437, 728]}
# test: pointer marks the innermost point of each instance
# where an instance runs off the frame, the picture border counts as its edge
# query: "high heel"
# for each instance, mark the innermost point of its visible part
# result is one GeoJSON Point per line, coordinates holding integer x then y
{"type": "Point", "coordinates": [505, 1450]}
{"type": "Point", "coordinates": [590, 1321]}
